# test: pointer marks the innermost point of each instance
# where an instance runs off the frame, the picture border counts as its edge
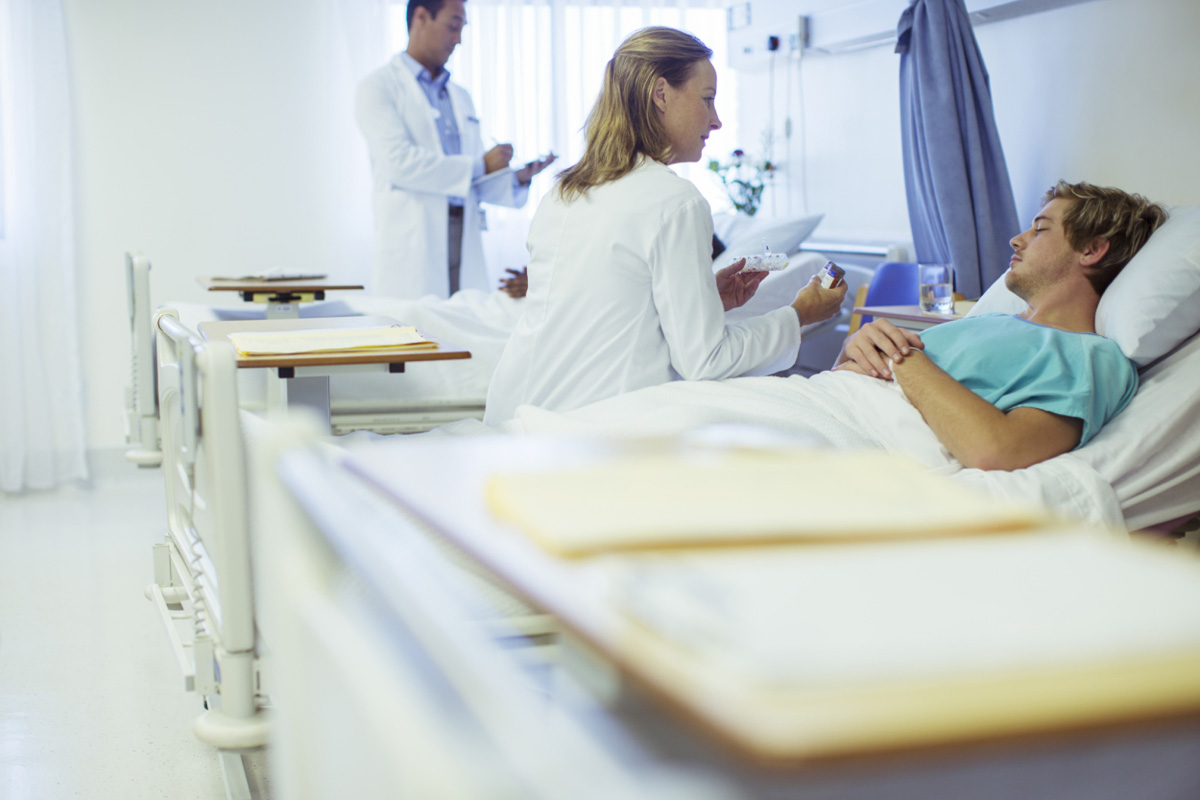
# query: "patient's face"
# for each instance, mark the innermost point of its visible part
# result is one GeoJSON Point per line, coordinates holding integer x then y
{"type": "Point", "coordinates": [1042, 256]}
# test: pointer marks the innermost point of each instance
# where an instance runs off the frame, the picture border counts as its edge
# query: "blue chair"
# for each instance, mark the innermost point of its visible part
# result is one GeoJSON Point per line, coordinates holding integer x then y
{"type": "Point", "coordinates": [893, 284]}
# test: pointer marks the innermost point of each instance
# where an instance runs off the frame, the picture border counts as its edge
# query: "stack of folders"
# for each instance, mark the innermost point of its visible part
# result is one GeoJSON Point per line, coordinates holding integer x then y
{"type": "Point", "coordinates": [826, 604]}
{"type": "Point", "coordinates": [740, 497]}
{"type": "Point", "coordinates": [330, 340]}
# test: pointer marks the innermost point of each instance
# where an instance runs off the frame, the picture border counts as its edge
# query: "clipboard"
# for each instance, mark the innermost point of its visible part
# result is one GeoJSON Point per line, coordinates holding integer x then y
{"type": "Point", "coordinates": [491, 176]}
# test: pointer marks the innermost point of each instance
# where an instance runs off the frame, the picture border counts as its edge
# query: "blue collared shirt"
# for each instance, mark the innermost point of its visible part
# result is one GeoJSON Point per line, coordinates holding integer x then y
{"type": "Point", "coordinates": [439, 98]}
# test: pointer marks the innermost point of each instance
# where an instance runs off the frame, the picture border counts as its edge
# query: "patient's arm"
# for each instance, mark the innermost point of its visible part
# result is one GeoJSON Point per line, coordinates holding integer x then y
{"type": "Point", "coordinates": [977, 433]}
{"type": "Point", "coordinates": [876, 347]}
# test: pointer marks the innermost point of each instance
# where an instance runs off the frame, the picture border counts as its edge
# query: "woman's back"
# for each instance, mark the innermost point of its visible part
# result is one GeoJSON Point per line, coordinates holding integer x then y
{"type": "Point", "coordinates": [622, 296]}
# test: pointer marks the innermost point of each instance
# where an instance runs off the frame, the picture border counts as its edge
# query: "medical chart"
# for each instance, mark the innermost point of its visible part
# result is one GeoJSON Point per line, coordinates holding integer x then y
{"type": "Point", "coordinates": [705, 497]}
{"type": "Point", "coordinates": [329, 340]}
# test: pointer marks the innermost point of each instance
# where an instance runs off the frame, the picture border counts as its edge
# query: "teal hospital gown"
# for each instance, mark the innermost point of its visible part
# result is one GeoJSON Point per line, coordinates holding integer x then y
{"type": "Point", "coordinates": [1011, 362]}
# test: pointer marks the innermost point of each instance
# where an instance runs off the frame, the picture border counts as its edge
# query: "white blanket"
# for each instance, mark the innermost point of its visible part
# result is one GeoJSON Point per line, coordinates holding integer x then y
{"type": "Point", "coordinates": [832, 409]}
{"type": "Point", "coordinates": [479, 321]}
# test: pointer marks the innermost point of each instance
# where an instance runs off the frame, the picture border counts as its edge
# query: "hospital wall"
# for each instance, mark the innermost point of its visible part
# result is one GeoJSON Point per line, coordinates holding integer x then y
{"type": "Point", "coordinates": [218, 138]}
{"type": "Point", "coordinates": [1105, 91]}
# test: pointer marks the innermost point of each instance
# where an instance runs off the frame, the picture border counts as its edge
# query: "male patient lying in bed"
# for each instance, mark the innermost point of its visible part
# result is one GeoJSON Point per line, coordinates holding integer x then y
{"type": "Point", "coordinates": [997, 391]}
{"type": "Point", "coordinates": [1006, 392]}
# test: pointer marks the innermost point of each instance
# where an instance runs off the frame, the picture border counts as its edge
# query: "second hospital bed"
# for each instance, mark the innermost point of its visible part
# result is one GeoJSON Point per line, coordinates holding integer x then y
{"type": "Point", "coordinates": [431, 394]}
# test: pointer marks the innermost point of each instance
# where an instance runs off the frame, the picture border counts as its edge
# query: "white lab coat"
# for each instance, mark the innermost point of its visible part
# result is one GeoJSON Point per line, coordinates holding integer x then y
{"type": "Point", "coordinates": [622, 296]}
{"type": "Point", "coordinates": [412, 180]}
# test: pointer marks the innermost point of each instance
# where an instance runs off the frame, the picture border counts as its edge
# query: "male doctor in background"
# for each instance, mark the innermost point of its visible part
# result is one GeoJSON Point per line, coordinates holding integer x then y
{"type": "Point", "coordinates": [426, 161]}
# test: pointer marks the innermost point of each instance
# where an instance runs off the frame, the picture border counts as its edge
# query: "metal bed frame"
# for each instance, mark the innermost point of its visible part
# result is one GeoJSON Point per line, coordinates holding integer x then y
{"type": "Point", "coordinates": [209, 622]}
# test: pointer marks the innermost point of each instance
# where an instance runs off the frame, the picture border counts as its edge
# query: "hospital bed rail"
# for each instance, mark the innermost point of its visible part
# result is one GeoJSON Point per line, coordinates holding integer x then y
{"type": "Point", "coordinates": [204, 587]}
{"type": "Point", "coordinates": [202, 568]}
{"type": "Point", "coordinates": [418, 700]}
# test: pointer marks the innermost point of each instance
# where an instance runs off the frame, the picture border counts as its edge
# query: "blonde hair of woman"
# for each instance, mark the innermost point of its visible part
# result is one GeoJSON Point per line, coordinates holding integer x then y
{"type": "Point", "coordinates": [624, 123]}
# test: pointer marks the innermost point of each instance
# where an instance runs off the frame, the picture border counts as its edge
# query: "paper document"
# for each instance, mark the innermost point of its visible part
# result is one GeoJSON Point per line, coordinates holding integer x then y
{"type": "Point", "coordinates": [742, 497]}
{"type": "Point", "coordinates": [817, 651]}
{"type": "Point", "coordinates": [491, 176]}
{"type": "Point", "coordinates": [277, 275]}
{"type": "Point", "coordinates": [330, 340]}
{"type": "Point", "coordinates": [892, 611]}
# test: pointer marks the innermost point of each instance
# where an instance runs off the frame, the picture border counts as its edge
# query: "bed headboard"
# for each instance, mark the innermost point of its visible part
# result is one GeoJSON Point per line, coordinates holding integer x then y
{"type": "Point", "coordinates": [141, 396]}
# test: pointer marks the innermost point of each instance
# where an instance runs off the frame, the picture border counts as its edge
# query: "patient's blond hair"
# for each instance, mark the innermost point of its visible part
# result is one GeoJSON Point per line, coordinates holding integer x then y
{"type": "Point", "coordinates": [624, 122]}
{"type": "Point", "coordinates": [1124, 220]}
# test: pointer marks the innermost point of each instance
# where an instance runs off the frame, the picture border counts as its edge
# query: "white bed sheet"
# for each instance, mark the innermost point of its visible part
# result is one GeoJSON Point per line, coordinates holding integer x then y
{"type": "Point", "coordinates": [1141, 470]}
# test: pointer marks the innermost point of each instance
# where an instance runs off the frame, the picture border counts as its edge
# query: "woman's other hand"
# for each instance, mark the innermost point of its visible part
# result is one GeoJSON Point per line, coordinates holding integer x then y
{"type": "Point", "coordinates": [735, 286]}
{"type": "Point", "coordinates": [814, 303]}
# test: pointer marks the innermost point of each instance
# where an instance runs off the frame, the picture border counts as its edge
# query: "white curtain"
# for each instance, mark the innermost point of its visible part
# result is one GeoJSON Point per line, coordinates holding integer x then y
{"type": "Point", "coordinates": [42, 440]}
{"type": "Point", "coordinates": [534, 67]}
{"type": "Point", "coordinates": [361, 35]}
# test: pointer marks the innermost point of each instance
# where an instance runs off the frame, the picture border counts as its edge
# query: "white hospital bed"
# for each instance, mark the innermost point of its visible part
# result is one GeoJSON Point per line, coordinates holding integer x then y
{"type": "Point", "coordinates": [372, 622]}
{"type": "Point", "coordinates": [424, 396]}
{"type": "Point", "coordinates": [1141, 471]}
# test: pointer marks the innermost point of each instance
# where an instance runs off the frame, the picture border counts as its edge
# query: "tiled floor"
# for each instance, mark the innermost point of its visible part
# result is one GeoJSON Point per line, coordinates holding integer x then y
{"type": "Point", "coordinates": [91, 699]}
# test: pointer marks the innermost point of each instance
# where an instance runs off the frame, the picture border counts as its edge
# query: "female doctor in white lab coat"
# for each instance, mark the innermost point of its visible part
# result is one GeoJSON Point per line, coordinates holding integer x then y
{"type": "Point", "coordinates": [621, 289]}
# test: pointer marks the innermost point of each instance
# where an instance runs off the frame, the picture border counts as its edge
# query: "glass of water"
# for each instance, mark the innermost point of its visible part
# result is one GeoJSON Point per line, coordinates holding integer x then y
{"type": "Point", "coordinates": [936, 284]}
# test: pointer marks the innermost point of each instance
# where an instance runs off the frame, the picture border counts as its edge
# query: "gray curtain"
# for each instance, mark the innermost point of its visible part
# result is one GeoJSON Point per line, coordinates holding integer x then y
{"type": "Point", "coordinates": [960, 201]}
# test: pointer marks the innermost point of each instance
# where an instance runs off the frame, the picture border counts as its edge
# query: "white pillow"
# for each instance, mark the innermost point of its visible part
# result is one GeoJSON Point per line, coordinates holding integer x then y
{"type": "Point", "coordinates": [998, 300]}
{"type": "Point", "coordinates": [783, 236]}
{"type": "Point", "coordinates": [729, 226]}
{"type": "Point", "coordinates": [1153, 305]}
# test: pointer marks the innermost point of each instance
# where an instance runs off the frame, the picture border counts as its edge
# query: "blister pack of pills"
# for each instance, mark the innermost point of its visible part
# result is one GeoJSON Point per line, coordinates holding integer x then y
{"type": "Point", "coordinates": [765, 261]}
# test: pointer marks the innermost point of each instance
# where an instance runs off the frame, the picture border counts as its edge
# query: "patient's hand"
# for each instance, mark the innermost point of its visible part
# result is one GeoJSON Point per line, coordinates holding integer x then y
{"type": "Point", "coordinates": [737, 287]}
{"type": "Point", "coordinates": [875, 347]}
{"type": "Point", "coordinates": [814, 303]}
{"type": "Point", "coordinates": [518, 284]}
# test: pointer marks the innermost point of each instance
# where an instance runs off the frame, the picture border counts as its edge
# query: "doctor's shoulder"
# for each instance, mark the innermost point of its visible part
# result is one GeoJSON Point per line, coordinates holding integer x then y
{"type": "Point", "coordinates": [656, 184]}
{"type": "Point", "coordinates": [384, 86]}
